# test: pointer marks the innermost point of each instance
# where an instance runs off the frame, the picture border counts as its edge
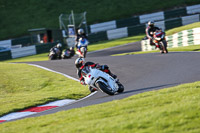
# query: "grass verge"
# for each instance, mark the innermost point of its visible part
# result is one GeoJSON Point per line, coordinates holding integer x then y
{"type": "Point", "coordinates": [38, 57]}
{"type": "Point", "coordinates": [23, 86]}
{"type": "Point", "coordinates": [174, 109]}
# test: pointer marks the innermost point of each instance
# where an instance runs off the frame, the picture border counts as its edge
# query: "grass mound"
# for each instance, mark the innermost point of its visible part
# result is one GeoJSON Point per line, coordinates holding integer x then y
{"type": "Point", "coordinates": [23, 86]}
{"type": "Point", "coordinates": [175, 109]}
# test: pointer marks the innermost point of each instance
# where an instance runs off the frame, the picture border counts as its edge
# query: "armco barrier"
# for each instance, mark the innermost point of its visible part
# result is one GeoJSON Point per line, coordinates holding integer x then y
{"type": "Point", "coordinates": [103, 26]}
{"type": "Point", "coordinates": [42, 48]}
{"type": "Point", "coordinates": [6, 55]}
{"type": "Point", "coordinates": [6, 43]}
{"type": "Point", "coordinates": [117, 33]}
{"type": "Point", "coordinates": [190, 19]}
{"type": "Point", "coordinates": [160, 24]}
{"type": "Point", "coordinates": [183, 38]}
{"type": "Point", "coordinates": [172, 23]}
{"type": "Point", "coordinates": [24, 51]}
{"type": "Point", "coordinates": [153, 16]}
{"type": "Point", "coordinates": [136, 20]}
{"type": "Point", "coordinates": [24, 41]}
{"type": "Point", "coordinates": [193, 9]}
{"type": "Point", "coordinates": [136, 30]}
{"type": "Point", "coordinates": [140, 29]}
{"type": "Point", "coordinates": [127, 22]}
{"type": "Point", "coordinates": [95, 37]}
{"type": "Point", "coordinates": [175, 13]}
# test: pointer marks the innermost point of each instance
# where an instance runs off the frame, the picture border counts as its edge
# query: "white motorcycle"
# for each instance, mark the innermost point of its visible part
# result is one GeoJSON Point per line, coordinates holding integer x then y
{"type": "Point", "coordinates": [82, 47]}
{"type": "Point", "coordinates": [101, 80]}
{"type": "Point", "coordinates": [53, 55]}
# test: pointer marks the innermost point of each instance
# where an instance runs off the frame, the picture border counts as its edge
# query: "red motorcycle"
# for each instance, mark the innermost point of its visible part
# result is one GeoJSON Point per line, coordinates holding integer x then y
{"type": "Point", "coordinates": [160, 41]}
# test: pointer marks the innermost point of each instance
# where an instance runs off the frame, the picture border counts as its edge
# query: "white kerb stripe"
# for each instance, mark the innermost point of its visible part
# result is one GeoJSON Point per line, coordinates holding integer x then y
{"type": "Point", "coordinates": [16, 115]}
{"type": "Point", "coordinates": [59, 103]}
{"type": "Point", "coordinates": [55, 72]}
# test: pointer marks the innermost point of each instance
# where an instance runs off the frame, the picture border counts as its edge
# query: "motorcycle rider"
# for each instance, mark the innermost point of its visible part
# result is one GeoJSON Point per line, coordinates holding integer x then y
{"type": "Point", "coordinates": [80, 64]}
{"type": "Point", "coordinates": [59, 47]}
{"type": "Point", "coordinates": [81, 34]}
{"type": "Point", "coordinates": [150, 30]}
{"type": "Point", "coordinates": [68, 53]}
{"type": "Point", "coordinates": [72, 52]}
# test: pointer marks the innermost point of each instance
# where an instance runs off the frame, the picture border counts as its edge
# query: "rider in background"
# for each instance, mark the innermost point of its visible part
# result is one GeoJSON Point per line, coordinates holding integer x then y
{"type": "Point", "coordinates": [59, 47]}
{"type": "Point", "coordinates": [150, 30]}
{"type": "Point", "coordinates": [80, 34]}
{"type": "Point", "coordinates": [72, 52]}
{"type": "Point", "coordinates": [80, 64]}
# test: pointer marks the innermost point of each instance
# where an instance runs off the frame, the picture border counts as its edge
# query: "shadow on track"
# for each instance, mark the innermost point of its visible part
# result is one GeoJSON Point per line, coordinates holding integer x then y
{"type": "Point", "coordinates": [149, 88]}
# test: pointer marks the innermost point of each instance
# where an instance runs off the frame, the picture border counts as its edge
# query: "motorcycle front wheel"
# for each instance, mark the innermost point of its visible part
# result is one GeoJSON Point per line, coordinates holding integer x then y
{"type": "Point", "coordinates": [164, 46]}
{"type": "Point", "coordinates": [83, 51]}
{"type": "Point", "coordinates": [51, 57]}
{"type": "Point", "coordinates": [104, 88]}
{"type": "Point", "coordinates": [121, 87]}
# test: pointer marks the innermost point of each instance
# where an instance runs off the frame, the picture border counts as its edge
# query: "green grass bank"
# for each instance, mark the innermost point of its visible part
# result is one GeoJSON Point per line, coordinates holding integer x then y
{"type": "Point", "coordinates": [174, 109]}
{"type": "Point", "coordinates": [23, 86]}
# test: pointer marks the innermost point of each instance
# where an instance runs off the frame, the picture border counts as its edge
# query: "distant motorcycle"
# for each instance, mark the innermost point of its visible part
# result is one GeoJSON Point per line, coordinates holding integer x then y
{"type": "Point", "coordinates": [160, 41]}
{"type": "Point", "coordinates": [82, 47]}
{"type": "Point", "coordinates": [53, 55]}
{"type": "Point", "coordinates": [68, 53]}
{"type": "Point", "coordinates": [101, 80]}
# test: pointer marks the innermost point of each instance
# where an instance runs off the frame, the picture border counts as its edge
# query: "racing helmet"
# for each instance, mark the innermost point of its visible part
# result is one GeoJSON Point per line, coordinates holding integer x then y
{"type": "Point", "coordinates": [79, 62]}
{"type": "Point", "coordinates": [59, 45]}
{"type": "Point", "coordinates": [80, 31]}
{"type": "Point", "coordinates": [151, 23]}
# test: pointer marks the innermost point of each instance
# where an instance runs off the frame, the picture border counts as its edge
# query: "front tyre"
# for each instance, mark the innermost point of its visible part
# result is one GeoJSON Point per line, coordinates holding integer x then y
{"type": "Point", "coordinates": [164, 45]}
{"type": "Point", "coordinates": [121, 87]}
{"type": "Point", "coordinates": [51, 57]}
{"type": "Point", "coordinates": [104, 88]}
{"type": "Point", "coordinates": [83, 52]}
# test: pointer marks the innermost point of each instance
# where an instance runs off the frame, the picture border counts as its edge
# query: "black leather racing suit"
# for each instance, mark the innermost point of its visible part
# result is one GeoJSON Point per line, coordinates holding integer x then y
{"type": "Point", "coordinates": [53, 49]}
{"type": "Point", "coordinates": [149, 33]}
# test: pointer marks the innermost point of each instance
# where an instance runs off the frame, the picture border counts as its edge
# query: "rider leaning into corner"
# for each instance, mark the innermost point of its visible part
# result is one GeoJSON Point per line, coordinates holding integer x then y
{"type": "Point", "coordinates": [150, 30]}
{"type": "Point", "coordinates": [80, 34]}
{"type": "Point", "coordinates": [58, 46]}
{"type": "Point", "coordinates": [80, 64]}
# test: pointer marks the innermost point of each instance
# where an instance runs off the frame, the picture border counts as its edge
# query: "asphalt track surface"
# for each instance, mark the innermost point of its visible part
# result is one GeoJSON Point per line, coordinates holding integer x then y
{"type": "Point", "coordinates": [138, 73]}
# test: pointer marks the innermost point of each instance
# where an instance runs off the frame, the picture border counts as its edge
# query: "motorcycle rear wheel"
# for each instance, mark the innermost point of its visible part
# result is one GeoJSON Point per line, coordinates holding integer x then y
{"type": "Point", "coordinates": [104, 88]}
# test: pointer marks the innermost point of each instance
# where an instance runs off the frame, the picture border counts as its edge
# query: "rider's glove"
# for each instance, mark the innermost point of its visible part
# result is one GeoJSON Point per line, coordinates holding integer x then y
{"type": "Point", "coordinates": [104, 67]}
{"type": "Point", "coordinates": [98, 66]}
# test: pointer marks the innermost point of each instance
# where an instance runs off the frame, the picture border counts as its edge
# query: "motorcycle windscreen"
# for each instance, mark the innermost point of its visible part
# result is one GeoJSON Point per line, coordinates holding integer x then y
{"type": "Point", "coordinates": [85, 71]}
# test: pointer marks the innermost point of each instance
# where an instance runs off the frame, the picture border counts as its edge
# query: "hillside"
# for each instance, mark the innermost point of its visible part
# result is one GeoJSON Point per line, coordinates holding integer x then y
{"type": "Point", "coordinates": [19, 16]}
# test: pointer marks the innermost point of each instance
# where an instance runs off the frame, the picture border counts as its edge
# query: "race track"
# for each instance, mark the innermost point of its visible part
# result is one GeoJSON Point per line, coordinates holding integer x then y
{"type": "Point", "coordinates": [138, 73]}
